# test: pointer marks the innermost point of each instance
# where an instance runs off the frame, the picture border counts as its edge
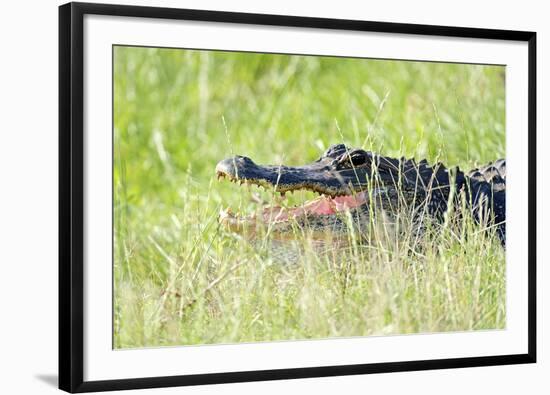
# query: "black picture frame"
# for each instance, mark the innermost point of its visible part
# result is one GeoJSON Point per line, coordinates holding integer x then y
{"type": "Point", "coordinates": [71, 196]}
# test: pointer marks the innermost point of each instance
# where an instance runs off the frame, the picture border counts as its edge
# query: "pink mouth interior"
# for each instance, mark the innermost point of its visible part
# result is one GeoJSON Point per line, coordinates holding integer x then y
{"type": "Point", "coordinates": [323, 205]}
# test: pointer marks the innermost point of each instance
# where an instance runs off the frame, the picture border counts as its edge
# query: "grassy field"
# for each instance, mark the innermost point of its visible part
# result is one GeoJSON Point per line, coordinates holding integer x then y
{"type": "Point", "coordinates": [182, 279]}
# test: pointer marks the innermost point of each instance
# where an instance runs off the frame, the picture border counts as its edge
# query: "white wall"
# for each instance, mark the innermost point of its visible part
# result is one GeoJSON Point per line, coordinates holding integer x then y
{"type": "Point", "coordinates": [28, 194]}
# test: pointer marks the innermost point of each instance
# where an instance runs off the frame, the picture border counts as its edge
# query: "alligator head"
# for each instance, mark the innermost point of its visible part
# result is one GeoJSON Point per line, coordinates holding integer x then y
{"type": "Point", "coordinates": [346, 179]}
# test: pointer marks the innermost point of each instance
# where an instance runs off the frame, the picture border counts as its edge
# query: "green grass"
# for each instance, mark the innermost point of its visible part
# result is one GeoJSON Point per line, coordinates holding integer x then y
{"type": "Point", "coordinates": [181, 279]}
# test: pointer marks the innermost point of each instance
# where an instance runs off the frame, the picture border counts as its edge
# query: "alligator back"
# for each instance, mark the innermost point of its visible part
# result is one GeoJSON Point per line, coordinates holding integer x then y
{"type": "Point", "coordinates": [488, 193]}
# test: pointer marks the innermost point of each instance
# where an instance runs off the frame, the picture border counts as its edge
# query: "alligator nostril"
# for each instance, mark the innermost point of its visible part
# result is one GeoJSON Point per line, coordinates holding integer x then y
{"type": "Point", "coordinates": [228, 166]}
{"type": "Point", "coordinates": [234, 166]}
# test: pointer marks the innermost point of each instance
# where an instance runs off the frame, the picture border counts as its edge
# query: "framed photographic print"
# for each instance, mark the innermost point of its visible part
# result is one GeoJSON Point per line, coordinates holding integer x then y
{"type": "Point", "coordinates": [258, 197]}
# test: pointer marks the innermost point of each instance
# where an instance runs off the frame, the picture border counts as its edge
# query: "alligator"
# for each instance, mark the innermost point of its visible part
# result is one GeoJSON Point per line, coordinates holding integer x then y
{"type": "Point", "coordinates": [351, 180]}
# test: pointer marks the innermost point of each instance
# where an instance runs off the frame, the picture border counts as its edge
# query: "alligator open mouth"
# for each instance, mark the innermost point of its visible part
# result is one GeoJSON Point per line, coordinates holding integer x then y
{"type": "Point", "coordinates": [339, 191]}
{"type": "Point", "coordinates": [273, 215]}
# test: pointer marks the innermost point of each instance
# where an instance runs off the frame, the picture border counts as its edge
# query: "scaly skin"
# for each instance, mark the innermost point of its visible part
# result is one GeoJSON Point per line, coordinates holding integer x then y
{"type": "Point", "coordinates": [364, 178]}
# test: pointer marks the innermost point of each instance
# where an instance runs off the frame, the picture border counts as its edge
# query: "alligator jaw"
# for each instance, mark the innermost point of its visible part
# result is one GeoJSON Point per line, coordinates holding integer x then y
{"type": "Point", "coordinates": [276, 216]}
{"type": "Point", "coordinates": [336, 195]}
{"type": "Point", "coordinates": [342, 176]}
{"type": "Point", "coordinates": [314, 177]}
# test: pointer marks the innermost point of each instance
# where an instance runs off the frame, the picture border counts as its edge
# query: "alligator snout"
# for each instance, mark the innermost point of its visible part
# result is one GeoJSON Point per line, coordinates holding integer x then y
{"type": "Point", "coordinates": [235, 167]}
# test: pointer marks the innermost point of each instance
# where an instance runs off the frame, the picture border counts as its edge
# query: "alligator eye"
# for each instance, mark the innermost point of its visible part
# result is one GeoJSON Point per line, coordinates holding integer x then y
{"type": "Point", "coordinates": [358, 158]}
{"type": "Point", "coordinates": [353, 159]}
